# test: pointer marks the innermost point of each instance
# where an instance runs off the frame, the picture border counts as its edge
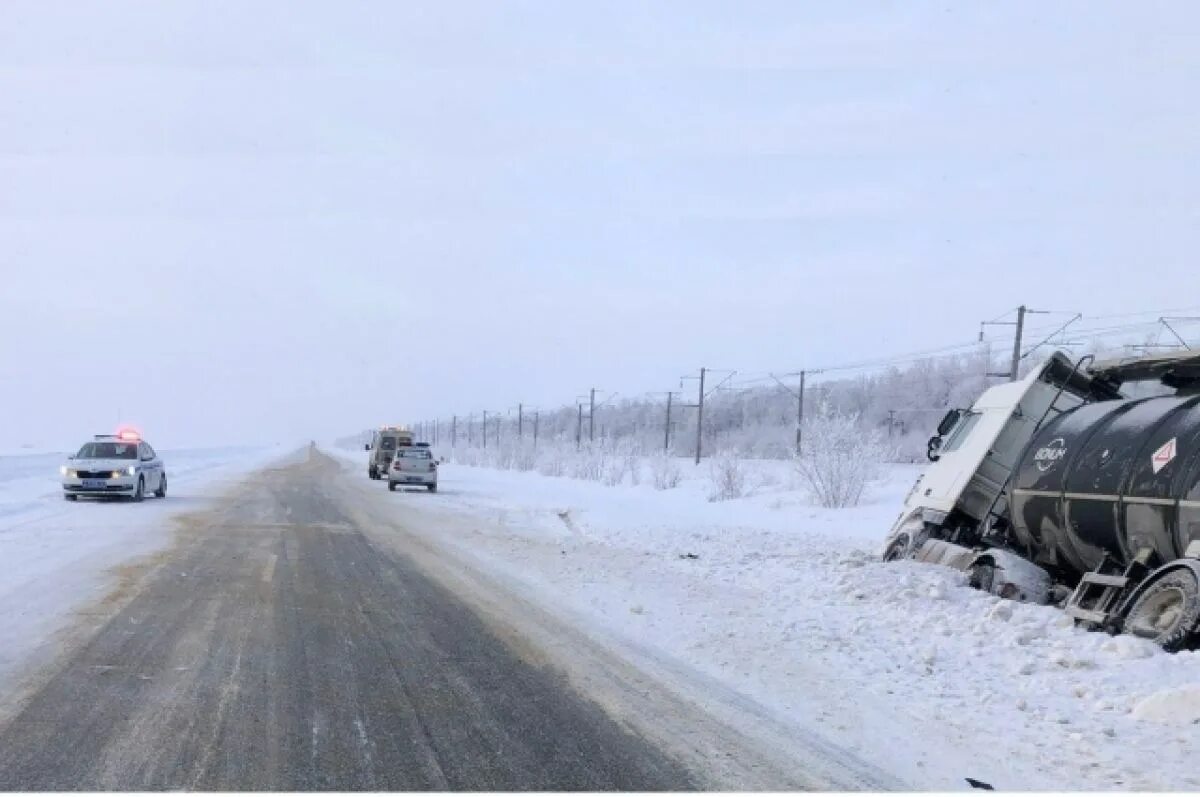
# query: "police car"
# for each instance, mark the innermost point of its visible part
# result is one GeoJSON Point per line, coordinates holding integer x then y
{"type": "Point", "coordinates": [121, 465]}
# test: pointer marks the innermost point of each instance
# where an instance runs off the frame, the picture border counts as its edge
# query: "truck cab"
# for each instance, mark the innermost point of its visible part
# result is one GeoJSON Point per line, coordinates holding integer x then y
{"type": "Point", "coordinates": [962, 494]}
{"type": "Point", "coordinates": [385, 442]}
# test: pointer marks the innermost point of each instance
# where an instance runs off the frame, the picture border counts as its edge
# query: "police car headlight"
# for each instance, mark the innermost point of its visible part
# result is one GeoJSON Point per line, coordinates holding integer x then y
{"type": "Point", "coordinates": [116, 474]}
{"type": "Point", "coordinates": [131, 470]}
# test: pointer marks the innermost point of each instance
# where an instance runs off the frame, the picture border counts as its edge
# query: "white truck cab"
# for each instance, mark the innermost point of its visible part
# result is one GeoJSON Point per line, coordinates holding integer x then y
{"type": "Point", "coordinates": [974, 453]}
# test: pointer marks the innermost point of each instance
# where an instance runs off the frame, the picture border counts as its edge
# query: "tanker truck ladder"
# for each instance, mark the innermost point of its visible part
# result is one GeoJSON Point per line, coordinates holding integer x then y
{"type": "Point", "coordinates": [994, 514]}
{"type": "Point", "coordinates": [1097, 598]}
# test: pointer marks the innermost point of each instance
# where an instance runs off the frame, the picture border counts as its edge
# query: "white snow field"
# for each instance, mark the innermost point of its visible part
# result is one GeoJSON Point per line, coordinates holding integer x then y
{"type": "Point", "coordinates": [788, 605]}
{"type": "Point", "coordinates": [57, 556]}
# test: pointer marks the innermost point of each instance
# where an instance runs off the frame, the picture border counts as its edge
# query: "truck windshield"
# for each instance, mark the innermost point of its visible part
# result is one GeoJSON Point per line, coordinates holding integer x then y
{"type": "Point", "coordinates": [387, 444]}
{"type": "Point", "coordinates": [107, 451]}
{"type": "Point", "coordinates": [961, 432]}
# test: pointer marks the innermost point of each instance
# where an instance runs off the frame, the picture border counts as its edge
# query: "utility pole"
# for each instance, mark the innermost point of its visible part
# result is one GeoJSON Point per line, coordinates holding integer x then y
{"type": "Point", "coordinates": [800, 413]}
{"type": "Point", "coordinates": [592, 417]}
{"type": "Point", "coordinates": [536, 415]}
{"type": "Point", "coordinates": [520, 422]}
{"type": "Point", "coordinates": [700, 416]}
{"type": "Point", "coordinates": [1016, 355]}
{"type": "Point", "coordinates": [699, 405]}
{"type": "Point", "coordinates": [470, 423]}
{"type": "Point", "coordinates": [579, 428]}
{"type": "Point", "coordinates": [891, 422]}
{"type": "Point", "coordinates": [485, 428]}
{"type": "Point", "coordinates": [453, 431]}
{"type": "Point", "coordinates": [799, 394]}
{"type": "Point", "coordinates": [1022, 311]}
{"type": "Point", "coordinates": [667, 425]}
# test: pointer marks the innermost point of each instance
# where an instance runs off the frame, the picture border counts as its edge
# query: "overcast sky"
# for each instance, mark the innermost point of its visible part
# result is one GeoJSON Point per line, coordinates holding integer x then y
{"type": "Point", "coordinates": [267, 221]}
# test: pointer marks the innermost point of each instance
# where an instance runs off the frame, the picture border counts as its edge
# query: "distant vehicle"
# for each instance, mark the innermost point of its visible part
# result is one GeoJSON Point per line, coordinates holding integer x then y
{"type": "Point", "coordinates": [383, 445]}
{"type": "Point", "coordinates": [121, 465]}
{"type": "Point", "coordinates": [414, 466]}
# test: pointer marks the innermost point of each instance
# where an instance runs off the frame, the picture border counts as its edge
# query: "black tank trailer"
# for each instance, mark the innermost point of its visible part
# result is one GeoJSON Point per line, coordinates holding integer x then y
{"type": "Point", "coordinates": [1107, 498]}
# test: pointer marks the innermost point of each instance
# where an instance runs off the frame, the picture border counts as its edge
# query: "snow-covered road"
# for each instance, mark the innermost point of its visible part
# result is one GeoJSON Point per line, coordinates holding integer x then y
{"type": "Point", "coordinates": [787, 605]}
{"type": "Point", "coordinates": [56, 556]}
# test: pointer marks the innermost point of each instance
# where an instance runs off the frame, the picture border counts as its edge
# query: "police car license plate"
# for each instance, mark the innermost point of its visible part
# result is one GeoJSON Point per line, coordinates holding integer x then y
{"type": "Point", "coordinates": [93, 483]}
{"type": "Point", "coordinates": [412, 478]}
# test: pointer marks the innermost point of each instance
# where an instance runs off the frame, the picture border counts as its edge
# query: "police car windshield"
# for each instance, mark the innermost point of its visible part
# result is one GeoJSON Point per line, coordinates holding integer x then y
{"type": "Point", "coordinates": [107, 451]}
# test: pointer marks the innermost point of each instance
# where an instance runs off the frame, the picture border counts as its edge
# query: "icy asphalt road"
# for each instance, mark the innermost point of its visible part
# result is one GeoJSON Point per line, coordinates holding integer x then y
{"type": "Point", "coordinates": [296, 637]}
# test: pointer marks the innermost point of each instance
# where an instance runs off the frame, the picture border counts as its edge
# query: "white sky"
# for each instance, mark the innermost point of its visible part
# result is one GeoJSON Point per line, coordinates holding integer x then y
{"type": "Point", "coordinates": [262, 221]}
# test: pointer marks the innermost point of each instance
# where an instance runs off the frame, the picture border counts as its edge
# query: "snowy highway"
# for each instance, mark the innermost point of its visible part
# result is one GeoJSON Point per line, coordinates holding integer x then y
{"type": "Point", "coordinates": [293, 636]}
{"type": "Point", "coordinates": [281, 621]}
{"type": "Point", "coordinates": [274, 647]}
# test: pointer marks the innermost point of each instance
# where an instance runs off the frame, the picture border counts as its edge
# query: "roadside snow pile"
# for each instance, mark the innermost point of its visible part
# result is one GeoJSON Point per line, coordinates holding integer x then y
{"type": "Point", "coordinates": [788, 604]}
{"type": "Point", "coordinates": [1179, 706]}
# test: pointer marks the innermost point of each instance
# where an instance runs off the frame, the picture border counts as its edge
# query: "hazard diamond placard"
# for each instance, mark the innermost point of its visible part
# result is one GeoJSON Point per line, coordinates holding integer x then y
{"type": "Point", "coordinates": [1163, 456]}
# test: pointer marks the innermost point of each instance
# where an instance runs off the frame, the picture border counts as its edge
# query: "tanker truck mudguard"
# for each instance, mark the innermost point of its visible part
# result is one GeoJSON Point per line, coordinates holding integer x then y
{"type": "Point", "coordinates": [1059, 489]}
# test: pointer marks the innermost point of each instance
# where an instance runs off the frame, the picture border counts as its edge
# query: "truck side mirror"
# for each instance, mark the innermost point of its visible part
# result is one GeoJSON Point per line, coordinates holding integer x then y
{"type": "Point", "coordinates": [367, 447]}
{"type": "Point", "coordinates": [948, 422]}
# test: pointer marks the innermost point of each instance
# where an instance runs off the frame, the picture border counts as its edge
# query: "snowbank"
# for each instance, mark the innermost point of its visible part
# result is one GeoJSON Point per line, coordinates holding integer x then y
{"type": "Point", "coordinates": [788, 604]}
{"type": "Point", "coordinates": [1179, 706]}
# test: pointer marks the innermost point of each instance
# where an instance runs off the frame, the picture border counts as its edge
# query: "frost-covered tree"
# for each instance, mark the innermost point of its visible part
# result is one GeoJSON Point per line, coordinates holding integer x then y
{"type": "Point", "coordinates": [840, 457]}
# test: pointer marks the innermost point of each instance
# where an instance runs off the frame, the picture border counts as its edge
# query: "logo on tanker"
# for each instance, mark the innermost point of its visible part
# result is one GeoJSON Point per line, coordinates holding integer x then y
{"type": "Point", "coordinates": [1052, 452]}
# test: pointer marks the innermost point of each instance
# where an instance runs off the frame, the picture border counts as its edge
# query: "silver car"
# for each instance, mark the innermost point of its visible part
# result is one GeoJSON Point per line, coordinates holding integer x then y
{"type": "Point", "coordinates": [121, 465]}
{"type": "Point", "coordinates": [413, 466]}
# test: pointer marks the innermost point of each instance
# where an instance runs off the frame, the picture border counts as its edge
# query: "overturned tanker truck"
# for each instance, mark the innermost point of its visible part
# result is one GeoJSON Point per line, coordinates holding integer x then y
{"type": "Point", "coordinates": [1059, 489]}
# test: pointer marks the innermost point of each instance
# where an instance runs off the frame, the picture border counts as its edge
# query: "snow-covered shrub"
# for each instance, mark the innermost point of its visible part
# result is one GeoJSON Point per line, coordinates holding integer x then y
{"type": "Point", "coordinates": [523, 458]}
{"type": "Point", "coordinates": [728, 477]}
{"type": "Point", "coordinates": [664, 471]}
{"type": "Point", "coordinates": [633, 464]}
{"type": "Point", "coordinates": [552, 461]}
{"type": "Point", "coordinates": [614, 471]}
{"type": "Point", "coordinates": [840, 457]}
{"type": "Point", "coordinates": [590, 464]}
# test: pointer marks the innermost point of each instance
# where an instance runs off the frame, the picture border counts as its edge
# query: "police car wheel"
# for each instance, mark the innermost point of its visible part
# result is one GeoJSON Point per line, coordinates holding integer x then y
{"type": "Point", "coordinates": [141, 490]}
{"type": "Point", "coordinates": [392, 486]}
{"type": "Point", "coordinates": [161, 492]}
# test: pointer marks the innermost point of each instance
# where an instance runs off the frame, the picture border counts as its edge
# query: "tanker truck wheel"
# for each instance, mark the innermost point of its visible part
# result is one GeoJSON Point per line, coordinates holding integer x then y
{"type": "Point", "coordinates": [896, 549]}
{"type": "Point", "coordinates": [982, 576]}
{"type": "Point", "coordinates": [1167, 610]}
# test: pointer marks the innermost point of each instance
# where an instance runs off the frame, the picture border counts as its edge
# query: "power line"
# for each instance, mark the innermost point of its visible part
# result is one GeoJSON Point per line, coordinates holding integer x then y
{"type": "Point", "coordinates": [1154, 320]}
